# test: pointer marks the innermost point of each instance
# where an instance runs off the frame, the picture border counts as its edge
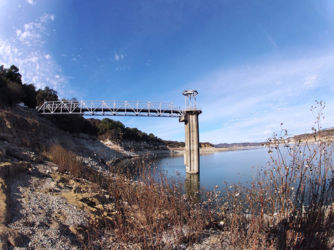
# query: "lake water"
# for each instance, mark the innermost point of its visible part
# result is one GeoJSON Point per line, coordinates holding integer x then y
{"type": "Point", "coordinates": [215, 169]}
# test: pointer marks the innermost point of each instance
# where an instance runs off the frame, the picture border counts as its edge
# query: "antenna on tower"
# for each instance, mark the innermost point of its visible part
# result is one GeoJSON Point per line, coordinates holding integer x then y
{"type": "Point", "coordinates": [190, 99]}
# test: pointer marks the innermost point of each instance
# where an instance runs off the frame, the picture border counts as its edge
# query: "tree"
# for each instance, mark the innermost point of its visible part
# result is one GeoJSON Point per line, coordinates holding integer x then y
{"type": "Point", "coordinates": [11, 91]}
{"type": "Point", "coordinates": [30, 93]}
{"type": "Point", "coordinates": [13, 74]}
{"type": "Point", "coordinates": [46, 94]}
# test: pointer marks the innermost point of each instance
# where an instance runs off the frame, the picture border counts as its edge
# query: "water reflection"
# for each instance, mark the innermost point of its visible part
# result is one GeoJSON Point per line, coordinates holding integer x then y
{"type": "Point", "coordinates": [192, 186]}
{"type": "Point", "coordinates": [232, 167]}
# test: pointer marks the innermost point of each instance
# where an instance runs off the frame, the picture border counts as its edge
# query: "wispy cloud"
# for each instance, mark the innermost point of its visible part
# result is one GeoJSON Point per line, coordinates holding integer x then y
{"type": "Point", "coordinates": [311, 81]}
{"type": "Point", "coordinates": [35, 66]}
{"type": "Point", "coordinates": [248, 102]}
{"type": "Point", "coordinates": [27, 51]}
{"type": "Point", "coordinates": [31, 2]}
{"type": "Point", "coordinates": [32, 33]}
{"type": "Point", "coordinates": [271, 40]}
{"type": "Point", "coordinates": [119, 56]}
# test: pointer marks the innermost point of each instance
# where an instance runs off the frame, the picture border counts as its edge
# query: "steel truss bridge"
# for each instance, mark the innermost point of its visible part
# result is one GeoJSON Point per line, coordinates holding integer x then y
{"type": "Point", "coordinates": [189, 115]}
{"type": "Point", "coordinates": [111, 108]}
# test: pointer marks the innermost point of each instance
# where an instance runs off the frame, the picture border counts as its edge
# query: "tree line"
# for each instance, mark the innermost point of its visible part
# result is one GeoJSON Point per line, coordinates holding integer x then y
{"type": "Point", "coordinates": [14, 91]}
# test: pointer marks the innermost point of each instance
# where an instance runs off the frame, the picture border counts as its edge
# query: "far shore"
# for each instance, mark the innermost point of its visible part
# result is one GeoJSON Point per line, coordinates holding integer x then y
{"type": "Point", "coordinates": [180, 151]}
{"type": "Point", "coordinates": [211, 150]}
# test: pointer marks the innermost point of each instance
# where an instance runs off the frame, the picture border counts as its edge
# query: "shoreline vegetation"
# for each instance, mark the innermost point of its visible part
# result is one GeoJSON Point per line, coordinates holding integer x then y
{"type": "Point", "coordinates": [60, 188]}
{"type": "Point", "coordinates": [49, 175]}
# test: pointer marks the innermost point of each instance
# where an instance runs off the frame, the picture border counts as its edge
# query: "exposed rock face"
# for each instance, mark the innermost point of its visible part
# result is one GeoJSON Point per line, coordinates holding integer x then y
{"type": "Point", "coordinates": [25, 128]}
{"type": "Point", "coordinates": [40, 207]}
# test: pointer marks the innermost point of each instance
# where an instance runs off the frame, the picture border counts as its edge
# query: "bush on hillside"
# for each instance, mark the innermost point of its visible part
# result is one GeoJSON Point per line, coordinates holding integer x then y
{"type": "Point", "coordinates": [29, 98]}
{"type": "Point", "coordinates": [13, 91]}
{"type": "Point", "coordinates": [46, 94]}
{"type": "Point", "coordinates": [73, 124]}
{"type": "Point", "coordinates": [116, 131]}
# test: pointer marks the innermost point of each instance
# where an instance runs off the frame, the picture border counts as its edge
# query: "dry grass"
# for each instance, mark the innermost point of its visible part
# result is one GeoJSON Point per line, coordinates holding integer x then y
{"type": "Point", "coordinates": [65, 159]}
{"type": "Point", "coordinates": [148, 213]}
{"type": "Point", "coordinates": [289, 205]}
{"type": "Point", "coordinates": [155, 214]}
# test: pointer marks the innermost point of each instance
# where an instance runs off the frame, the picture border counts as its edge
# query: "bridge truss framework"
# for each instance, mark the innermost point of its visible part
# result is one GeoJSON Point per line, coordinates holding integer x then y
{"type": "Point", "coordinates": [111, 108]}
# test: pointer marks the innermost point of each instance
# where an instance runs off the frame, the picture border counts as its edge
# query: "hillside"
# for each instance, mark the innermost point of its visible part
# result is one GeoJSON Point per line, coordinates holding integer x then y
{"type": "Point", "coordinates": [39, 207]}
{"type": "Point", "coordinates": [178, 144]}
{"type": "Point", "coordinates": [62, 190]}
{"type": "Point", "coordinates": [13, 91]}
{"type": "Point", "coordinates": [53, 191]}
{"type": "Point", "coordinates": [327, 134]}
{"type": "Point", "coordinates": [239, 145]}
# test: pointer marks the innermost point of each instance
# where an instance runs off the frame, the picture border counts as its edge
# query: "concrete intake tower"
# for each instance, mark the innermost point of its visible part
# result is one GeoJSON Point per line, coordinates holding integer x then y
{"type": "Point", "coordinates": [190, 119]}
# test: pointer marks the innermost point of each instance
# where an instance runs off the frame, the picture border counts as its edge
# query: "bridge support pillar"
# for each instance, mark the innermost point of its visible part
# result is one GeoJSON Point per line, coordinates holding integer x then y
{"type": "Point", "coordinates": [191, 150]}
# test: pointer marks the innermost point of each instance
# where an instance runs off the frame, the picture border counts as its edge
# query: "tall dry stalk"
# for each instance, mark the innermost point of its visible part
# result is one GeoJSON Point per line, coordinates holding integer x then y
{"type": "Point", "coordinates": [290, 204]}
{"type": "Point", "coordinates": [155, 213]}
{"type": "Point", "coordinates": [66, 160]}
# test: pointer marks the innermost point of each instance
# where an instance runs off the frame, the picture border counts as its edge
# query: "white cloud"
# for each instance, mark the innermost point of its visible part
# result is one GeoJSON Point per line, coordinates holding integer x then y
{"type": "Point", "coordinates": [47, 17]}
{"type": "Point", "coordinates": [311, 81]}
{"type": "Point", "coordinates": [26, 50]}
{"type": "Point", "coordinates": [119, 56]}
{"type": "Point", "coordinates": [32, 33]}
{"type": "Point", "coordinates": [31, 2]}
{"type": "Point", "coordinates": [33, 64]}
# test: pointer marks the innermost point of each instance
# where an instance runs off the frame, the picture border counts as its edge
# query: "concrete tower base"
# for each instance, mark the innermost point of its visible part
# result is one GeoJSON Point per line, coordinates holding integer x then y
{"type": "Point", "coordinates": [191, 151]}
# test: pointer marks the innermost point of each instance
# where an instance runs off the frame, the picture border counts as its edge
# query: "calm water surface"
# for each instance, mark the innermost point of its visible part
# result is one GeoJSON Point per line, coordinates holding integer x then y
{"type": "Point", "coordinates": [232, 167]}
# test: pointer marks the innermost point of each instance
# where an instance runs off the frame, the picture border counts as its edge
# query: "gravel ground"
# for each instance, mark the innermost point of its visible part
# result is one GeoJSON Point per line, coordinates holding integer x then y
{"type": "Point", "coordinates": [39, 215]}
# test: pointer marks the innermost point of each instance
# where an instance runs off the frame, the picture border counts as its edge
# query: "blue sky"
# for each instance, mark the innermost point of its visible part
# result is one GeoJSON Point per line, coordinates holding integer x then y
{"type": "Point", "coordinates": [254, 63]}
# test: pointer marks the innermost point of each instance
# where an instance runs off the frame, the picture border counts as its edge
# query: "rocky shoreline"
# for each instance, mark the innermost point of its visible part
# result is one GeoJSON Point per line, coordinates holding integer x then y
{"type": "Point", "coordinates": [43, 207]}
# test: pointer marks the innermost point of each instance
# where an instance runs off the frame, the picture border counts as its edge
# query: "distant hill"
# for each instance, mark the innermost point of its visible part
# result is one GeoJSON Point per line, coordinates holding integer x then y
{"type": "Point", "coordinates": [327, 133]}
{"type": "Point", "coordinates": [242, 144]}
{"type": "Point", "coordinates": [178, 144]}
{"type": "Point", "coordinates": [324, 133]}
